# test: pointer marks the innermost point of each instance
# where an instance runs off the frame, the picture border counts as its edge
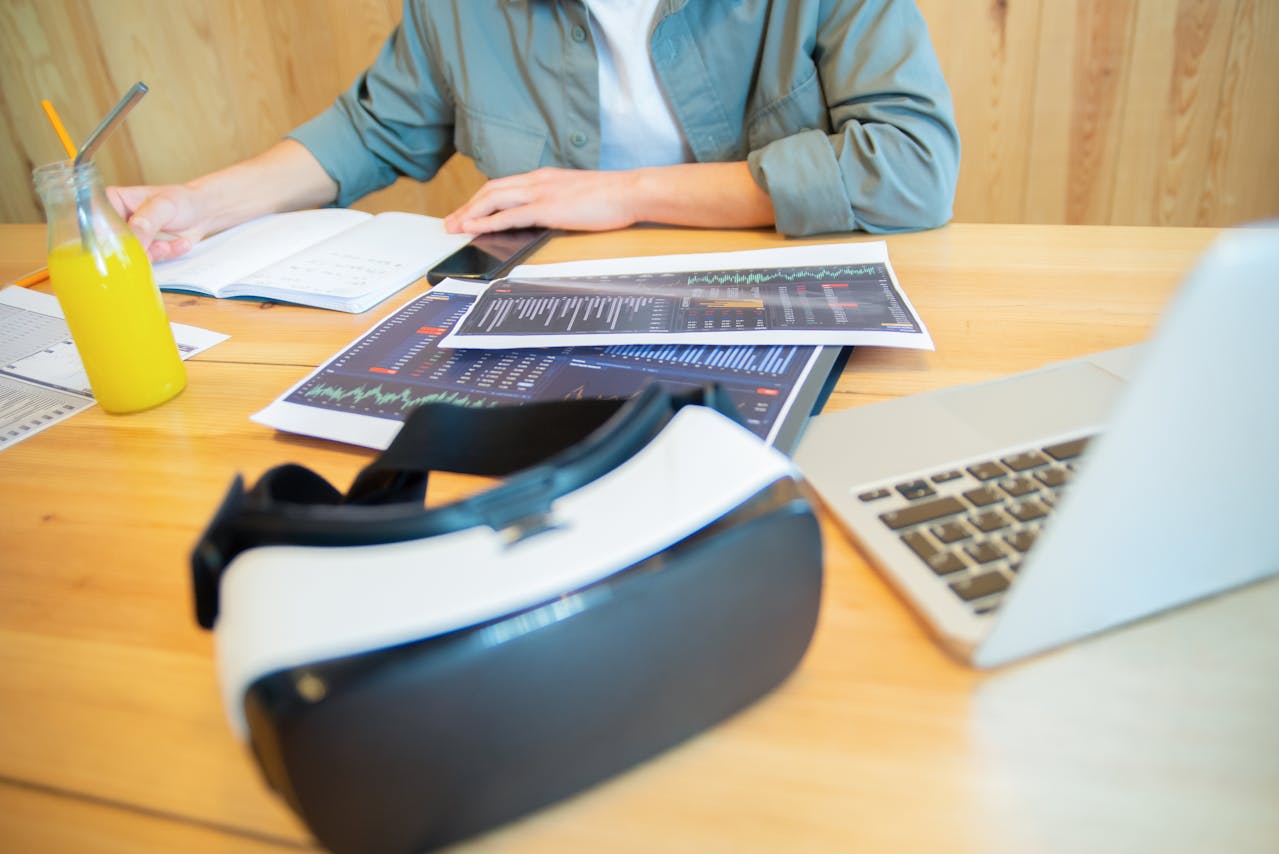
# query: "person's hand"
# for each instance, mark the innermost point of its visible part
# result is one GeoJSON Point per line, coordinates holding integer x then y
{"type": "Point", "coordinates": [167, 219]}
{"type": "Point", "coordinates": [573, 199]}
{"type": "Point", "coordinates": [702, 195]}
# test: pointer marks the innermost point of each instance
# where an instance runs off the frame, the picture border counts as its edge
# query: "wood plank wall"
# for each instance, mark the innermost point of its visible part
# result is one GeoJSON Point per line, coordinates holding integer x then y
{"type": "Point", "coordinates": [1143, 112]}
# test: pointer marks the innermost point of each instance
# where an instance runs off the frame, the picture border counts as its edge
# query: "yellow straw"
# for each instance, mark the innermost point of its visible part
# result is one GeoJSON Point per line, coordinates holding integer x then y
{"type": "Point", "coordinates": [58, 128]}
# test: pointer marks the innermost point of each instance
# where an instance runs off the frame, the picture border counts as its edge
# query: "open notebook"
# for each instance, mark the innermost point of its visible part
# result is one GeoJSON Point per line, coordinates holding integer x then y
{"type": "Point", "coordinates": [1027, 512]}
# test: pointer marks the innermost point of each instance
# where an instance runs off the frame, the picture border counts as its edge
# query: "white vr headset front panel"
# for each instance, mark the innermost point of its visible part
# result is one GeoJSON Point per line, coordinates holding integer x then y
{"type": "Point", "coordinates": [285, 606]}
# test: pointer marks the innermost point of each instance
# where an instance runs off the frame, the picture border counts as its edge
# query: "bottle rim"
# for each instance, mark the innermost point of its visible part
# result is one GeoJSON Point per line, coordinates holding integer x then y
{"type": "Point", "coordinates": [66, 174]}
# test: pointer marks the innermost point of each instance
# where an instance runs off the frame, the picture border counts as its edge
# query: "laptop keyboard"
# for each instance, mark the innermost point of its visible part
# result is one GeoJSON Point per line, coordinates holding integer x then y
{"type": "Point", "coordinates": [972, 525]}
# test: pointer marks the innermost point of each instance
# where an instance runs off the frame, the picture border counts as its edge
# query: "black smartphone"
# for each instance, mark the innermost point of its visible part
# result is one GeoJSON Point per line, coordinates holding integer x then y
{"type": "Point", "coordinates": [489, 256]}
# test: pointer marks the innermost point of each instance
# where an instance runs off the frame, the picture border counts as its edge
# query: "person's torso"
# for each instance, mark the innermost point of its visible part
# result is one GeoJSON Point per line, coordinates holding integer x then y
{"type": "Point", "coordinates": [522, 77]}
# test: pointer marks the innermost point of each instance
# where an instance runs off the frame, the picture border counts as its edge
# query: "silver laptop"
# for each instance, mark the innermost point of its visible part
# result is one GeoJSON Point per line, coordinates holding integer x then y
{"type": "Point", "coordinates": [1027, 512]}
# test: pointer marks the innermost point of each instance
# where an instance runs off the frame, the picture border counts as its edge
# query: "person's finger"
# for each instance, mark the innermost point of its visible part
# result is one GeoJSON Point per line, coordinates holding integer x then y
{"type": "Point", "coordinates": [151, 218]}
{"type": "Point", "coordinates": [126, 200]}
{"type": "Point", "coordinates": [159, 250]}
{"type": "Point", "coordinates": [165, 250]}
{"type": "Point", "coordinates": [522, 216]}
{"type": "Point", "coordinates": [454, 220]}
{"type": "Point", "coordinates": [509, 191]}
{"type": "Point", "coordinates": [487, 202]}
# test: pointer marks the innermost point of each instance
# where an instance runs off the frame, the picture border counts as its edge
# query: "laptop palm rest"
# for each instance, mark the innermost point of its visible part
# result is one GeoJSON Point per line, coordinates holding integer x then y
{"type": "Point", "coordinates": [1066, 398]}
{"type": "Point", "coordinates": [936, 429]}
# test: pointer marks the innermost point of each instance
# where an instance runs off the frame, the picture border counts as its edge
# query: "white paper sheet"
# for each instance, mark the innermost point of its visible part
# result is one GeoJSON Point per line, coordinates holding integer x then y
{"type": "Point", "coordinates": [42, 380]}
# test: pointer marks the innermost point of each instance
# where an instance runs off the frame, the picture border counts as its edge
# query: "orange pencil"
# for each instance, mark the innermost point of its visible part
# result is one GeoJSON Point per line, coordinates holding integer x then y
{"type": "Point", "coordinates": [37, 276]}
{"type": "Point", "coordinates": [33, 278]}
{"type": "Point", "coordinates": [58, 128]}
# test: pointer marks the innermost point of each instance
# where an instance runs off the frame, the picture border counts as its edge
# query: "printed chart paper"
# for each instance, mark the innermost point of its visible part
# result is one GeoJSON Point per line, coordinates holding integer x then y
{"type": "Point", "coordinates": [832, 294]}
{"type": "Point", "coordinates": [42, 380]}
{"type": "Point", "coordinates": [362, 395]}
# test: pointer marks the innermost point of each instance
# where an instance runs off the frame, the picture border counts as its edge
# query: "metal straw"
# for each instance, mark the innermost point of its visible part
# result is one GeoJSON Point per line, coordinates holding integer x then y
{"type": "Point", "coordinates": [95, 140]}
{"type": "Point", "coordinates": [108, 123]}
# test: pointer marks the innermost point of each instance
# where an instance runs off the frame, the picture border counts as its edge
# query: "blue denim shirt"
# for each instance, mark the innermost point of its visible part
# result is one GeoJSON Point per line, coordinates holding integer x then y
{"type": "Point", "coordinates": [839, 106]}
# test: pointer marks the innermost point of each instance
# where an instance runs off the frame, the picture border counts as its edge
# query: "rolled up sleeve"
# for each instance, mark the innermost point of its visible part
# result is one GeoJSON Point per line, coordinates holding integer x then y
{"type": "Point", "coordinates": [393, 121]}
{"type": "Point", "coordinates": [891, 161]}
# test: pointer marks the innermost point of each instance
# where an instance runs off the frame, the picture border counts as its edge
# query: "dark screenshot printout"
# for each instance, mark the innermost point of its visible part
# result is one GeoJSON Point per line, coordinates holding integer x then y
{"type": "Point", "coordinates": [829, 303]}
{"type": "Point", "coordinates": [398, 365]}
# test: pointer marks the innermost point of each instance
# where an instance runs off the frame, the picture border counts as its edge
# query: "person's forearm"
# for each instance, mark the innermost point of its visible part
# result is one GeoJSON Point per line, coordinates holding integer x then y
{"type": "Point", "coordinates": [706, 195]}
{"type": "Point", "coordinates": [285, 177]}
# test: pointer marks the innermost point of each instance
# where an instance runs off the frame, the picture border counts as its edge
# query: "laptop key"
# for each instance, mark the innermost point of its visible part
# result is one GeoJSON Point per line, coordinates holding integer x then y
{"type": "Point", "coordinates": [919, 513]}
{"type": "Point", "coordinates": [1028, 511]}
{"type": "Point", "coordinates": [915, 489]}
{"type": "Point", "coordinates": [1067, 450]}
{"type": "Point", "coordinates": [987, 470]}
{"type": "Point", "coordinates": [1021, 540]}
{"type": "Point", "coordinates": [991, 520]}
{"type": "Point", "coordinates": [942, 477]}
{"type": "Point", "coordinates": [940, 561]}
{"type": "Point", "coordinates": [1053, 477]}
{"type": "Point", "coordinates": [951, 532]}
{"type": "Point", "coordinates": [1023, 462]}
{"type": "Point", "coordinates": [984, 552]}
{"type": "Point", "coordinates": [874, 494]}
{"type": "Point", "coordinates": [946, 563]}
{"type": "Point", "coordinates": [986, 584]}
{"type": "Point", "coordinates": [1019, 486]}
{"type": "Point", "coordinates": [983, 495]}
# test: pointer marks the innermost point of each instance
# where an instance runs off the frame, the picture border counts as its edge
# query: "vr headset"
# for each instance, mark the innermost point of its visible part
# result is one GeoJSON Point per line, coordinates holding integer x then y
{"type": "Point", "coordinates": [410, 676]}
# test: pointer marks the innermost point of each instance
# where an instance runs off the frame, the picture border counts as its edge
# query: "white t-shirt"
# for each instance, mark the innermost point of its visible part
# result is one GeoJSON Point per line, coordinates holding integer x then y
{"type": "Point", "coordinates": [637, 127]}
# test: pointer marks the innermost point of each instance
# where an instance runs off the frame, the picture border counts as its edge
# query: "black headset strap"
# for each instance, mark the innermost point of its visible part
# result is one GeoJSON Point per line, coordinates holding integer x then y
{"type": "Point", "coordinates": [493, 442]}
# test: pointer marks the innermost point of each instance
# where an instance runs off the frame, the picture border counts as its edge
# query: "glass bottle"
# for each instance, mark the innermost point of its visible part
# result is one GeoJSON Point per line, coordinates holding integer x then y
{"type": "Point", "coordinates": [103, 280]}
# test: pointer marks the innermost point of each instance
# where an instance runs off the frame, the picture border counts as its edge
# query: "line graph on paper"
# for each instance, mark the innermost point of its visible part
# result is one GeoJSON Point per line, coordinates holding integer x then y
{"type": "Point", "coordinates": [829, 297]}
{"type": "Point", "coordinates": [397, 366]}
{"type": "Point", "coordinates": [385, 399]}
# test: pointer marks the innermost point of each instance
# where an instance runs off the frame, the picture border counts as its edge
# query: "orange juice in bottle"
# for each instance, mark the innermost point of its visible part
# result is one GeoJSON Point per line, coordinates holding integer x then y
{"type": "Point", "coordinates": [102, 278]}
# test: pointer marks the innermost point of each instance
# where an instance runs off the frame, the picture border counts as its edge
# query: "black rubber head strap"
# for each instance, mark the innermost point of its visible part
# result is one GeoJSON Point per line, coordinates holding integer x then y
{"type": "Point", "coordinates": [493, 442]}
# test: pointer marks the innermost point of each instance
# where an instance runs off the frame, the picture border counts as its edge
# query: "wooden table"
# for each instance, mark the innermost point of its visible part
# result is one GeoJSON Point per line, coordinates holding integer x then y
{"type": "Point", "coordinates": [1158, 737]}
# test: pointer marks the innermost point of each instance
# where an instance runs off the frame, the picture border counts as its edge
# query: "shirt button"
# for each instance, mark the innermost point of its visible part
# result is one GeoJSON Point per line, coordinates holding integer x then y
{"type": "Point", "coordinates": [579, 34]}
{"type": "Point", "coordinates": [577, 138]}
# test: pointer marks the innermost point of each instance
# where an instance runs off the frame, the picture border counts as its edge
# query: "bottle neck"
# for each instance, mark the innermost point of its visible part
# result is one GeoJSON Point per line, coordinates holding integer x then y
{"type": "Point", "coordinates": [77, 210]}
